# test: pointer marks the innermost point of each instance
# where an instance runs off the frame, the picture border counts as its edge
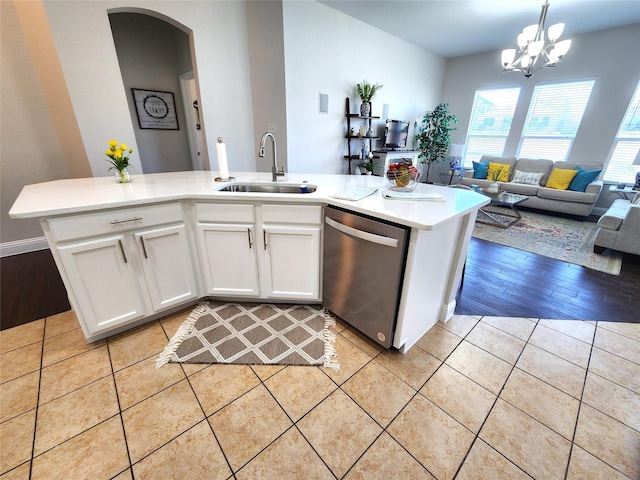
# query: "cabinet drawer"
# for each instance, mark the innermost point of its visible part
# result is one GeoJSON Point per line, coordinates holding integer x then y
{"type": "Point", "coordinates": [224, 212]}
{"type": "Point", "coordinates": [308, 214]}
{"type": "Point", "coordinates": [114, 221]}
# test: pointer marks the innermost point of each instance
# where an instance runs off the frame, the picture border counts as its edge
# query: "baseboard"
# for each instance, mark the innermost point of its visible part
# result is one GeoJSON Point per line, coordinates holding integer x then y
{"type": "Point", "coordinates": [23, 246]}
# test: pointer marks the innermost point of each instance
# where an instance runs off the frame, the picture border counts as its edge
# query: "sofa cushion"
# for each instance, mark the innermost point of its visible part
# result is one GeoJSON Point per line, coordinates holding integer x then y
{"type": "Point", "coordinates": [498, 172]}
{"type": "Point", "coordinates": [615, 214]}
{"type": "Point", "coordinates": [502, 160]}
{"type": "Point", "coordinates": [582, 179]}
{"type": "Point", "coordinates": [560, 178]}
{"type": "Point", "coordinates": [535, 165]}
{"type": "Point", "coordinates": [480, 182]}
{"type": "Point", "coordinates": [585, 165]}
{"type": "Point", "coordinates": [530, 178]}
{"type": "Point", "coordinates": [567, 195]}
{"type": "Point", "coordinates": [521, 188]}
{"type": "Point", "coordinates": [480, 169]}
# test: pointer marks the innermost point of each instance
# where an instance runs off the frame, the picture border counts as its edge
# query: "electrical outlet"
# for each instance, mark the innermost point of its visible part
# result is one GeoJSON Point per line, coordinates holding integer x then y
{"type": "Point", "coordinates": [271, 127]}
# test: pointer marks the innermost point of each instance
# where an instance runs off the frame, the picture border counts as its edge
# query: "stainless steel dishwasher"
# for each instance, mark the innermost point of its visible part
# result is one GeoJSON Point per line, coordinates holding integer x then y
{"type": "Point", "coordinates": [364, 262]}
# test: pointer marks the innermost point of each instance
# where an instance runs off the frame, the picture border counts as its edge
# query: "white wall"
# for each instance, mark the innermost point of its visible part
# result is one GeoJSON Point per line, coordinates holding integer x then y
{"type": "Point", "coordinates": [87, 54]}
{"type": "Point", "coordinates": [327, 51]}
{"type": "Point", "coordinates": [609, 56]}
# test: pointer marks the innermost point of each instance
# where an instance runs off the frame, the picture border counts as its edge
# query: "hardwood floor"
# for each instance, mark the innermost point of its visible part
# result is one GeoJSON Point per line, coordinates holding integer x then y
{"type": "Point", "coordinates": [503, 281]}
{"type": "Point", "coordinates": [30, 288]}
{"type": "Point", "coordinates": [499, 281]}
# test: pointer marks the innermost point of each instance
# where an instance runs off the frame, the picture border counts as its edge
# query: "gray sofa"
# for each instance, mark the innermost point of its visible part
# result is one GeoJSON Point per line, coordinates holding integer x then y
{"type": "Point", "coordinates": [579, 203]}
{"type": "Point", "coordinates": [619, 227]}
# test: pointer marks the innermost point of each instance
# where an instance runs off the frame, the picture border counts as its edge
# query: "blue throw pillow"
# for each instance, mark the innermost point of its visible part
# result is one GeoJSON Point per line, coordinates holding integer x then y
{"type": "Point", "coordinates": [480, 169]}
{"type": "Point", "coordinates": [582, 179]}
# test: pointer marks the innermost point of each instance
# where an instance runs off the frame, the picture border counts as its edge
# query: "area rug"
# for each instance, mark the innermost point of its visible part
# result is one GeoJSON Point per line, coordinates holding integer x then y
{"type": "Point", "coordinates": [254, 334]}
{"type": "Point", "coordinates": [551, 236]}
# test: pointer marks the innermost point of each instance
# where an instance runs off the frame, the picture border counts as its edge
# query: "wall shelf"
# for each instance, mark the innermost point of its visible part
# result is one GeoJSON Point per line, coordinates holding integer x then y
{"type": "Point", "coordinates": [366, 124]}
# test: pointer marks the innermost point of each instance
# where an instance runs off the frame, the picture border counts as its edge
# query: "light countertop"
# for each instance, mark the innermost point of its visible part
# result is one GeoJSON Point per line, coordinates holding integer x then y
{"type": "Point", "coordinates": [65, 197]}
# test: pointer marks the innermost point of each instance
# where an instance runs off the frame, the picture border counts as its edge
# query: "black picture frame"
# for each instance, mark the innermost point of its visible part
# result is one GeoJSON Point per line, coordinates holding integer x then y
{"type": "Point", "coordinates": [155, 109]}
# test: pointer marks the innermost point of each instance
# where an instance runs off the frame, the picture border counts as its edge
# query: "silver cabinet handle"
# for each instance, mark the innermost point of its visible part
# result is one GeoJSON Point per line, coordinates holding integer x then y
{"type": "Point", "coordinates": [144, 248]}
{"type": "Point", "coordinates": [134, 219]}
{"type": "Point", "coordinates": [249, 237]}
{"type": "Point", "coordinates": [124, 256]}
{"type": "Point", "coordinates": [264, 238]}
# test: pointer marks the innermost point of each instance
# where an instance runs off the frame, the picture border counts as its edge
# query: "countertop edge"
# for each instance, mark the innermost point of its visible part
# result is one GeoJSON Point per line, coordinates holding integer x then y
{"type": "Point", "coordinates": [194, 186]}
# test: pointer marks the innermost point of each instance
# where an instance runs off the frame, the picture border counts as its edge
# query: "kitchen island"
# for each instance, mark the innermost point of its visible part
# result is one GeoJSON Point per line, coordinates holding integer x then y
{"type": "Point", "coordinates": [131, 253]}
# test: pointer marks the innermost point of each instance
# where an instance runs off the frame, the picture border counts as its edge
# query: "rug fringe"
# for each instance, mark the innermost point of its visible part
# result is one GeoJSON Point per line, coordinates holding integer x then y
{"type": "Point", "coordinates": [181, 334]}
{"type": "Point", "coordinates": [330, 353]}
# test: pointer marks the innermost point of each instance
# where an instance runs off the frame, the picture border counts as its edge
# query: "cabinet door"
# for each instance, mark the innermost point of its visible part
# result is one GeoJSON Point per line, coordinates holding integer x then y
{"type": "Point", "coordinates": [104, 282]}
{"type": "Point", "coordinates": [292, 262]}
{"type": "Point", "coordinates": [228, 252]}
{"type": "Point", "coordinates": [167, 266]}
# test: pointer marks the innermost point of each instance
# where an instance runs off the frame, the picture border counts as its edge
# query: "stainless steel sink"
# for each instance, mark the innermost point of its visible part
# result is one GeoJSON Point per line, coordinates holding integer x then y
{"type": "Point", "coordinates": [270, 188]}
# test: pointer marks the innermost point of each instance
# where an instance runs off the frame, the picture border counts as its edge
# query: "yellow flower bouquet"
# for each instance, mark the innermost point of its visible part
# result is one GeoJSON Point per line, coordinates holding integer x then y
{"type": "Point", "coordinates": [118, 157]}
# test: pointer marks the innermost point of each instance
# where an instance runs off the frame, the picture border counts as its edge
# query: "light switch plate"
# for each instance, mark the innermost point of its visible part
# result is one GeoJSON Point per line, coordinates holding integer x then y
{"type": "Point", "coordinates": [323, 103]}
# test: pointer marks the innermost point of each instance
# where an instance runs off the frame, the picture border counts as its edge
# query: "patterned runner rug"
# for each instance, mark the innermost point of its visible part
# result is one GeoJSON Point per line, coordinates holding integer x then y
{"type": "Point", "coordinates": [561, 238]}
{"type": "Point", "coordinates": [254, 334]}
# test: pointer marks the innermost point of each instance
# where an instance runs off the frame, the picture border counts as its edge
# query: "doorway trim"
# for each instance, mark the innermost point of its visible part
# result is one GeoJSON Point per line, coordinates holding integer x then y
{"type": "Point", "coordinates": [193, 119]}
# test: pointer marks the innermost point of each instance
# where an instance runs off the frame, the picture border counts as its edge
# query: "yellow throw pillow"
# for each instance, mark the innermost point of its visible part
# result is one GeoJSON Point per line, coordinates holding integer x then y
{"type": "Point", "coordinates": [560, 178]}
{"type": "Point", "coordinates": [498, 172]}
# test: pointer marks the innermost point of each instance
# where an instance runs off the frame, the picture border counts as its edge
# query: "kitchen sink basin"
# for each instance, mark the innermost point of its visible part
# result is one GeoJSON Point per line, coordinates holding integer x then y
{"type": "Point", "coordinates": [270, 188]}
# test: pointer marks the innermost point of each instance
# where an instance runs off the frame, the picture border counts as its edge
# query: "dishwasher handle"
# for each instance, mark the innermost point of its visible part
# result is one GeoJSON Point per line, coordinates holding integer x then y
{"type": "Point", "coordinates": [369, 237]}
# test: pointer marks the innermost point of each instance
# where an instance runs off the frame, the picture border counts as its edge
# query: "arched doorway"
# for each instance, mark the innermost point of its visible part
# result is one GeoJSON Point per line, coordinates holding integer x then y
{"type": "Point", "coordinates": [153, 54]}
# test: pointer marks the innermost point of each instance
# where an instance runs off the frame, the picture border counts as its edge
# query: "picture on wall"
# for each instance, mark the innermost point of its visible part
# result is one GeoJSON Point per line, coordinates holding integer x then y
{"type": "Point", "coordinates": [155, 109]}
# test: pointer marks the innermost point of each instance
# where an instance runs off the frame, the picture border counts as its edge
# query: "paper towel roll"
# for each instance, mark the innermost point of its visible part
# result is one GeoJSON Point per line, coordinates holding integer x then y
{"type": "Point", "coordinates": [223, 168]}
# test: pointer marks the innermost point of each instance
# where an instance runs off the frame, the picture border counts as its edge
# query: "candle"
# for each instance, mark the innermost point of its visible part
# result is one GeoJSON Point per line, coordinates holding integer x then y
{"type": "Point", "coordinates": [223, 168]}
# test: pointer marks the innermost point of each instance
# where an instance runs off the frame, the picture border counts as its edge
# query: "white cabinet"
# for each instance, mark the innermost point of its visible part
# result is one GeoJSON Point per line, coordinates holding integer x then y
{"type": "Point", "coordinates": [118, 269]}
{"type": "Point", "coordinates": [104, 283]}
{"type": "Point", "coordinates": [167, 266]}
{"type": "Point", "coordinates": [290, 264]}
{"type": "Point", "coordinates": [227, 245]}
{"type": "Point", "coordinates": [229, 262]}
{"type": "Point", "coordinates": [382, 159]}
{"type": "Point", "coordinates": [261, 251]}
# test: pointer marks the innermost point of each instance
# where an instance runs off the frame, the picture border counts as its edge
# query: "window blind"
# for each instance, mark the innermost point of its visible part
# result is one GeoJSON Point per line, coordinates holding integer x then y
{"type": "Point", "coordinates": [490, 122]}
{"type": "Point", "coordinates": [553, 119]}
{"type": "Point", "coordinates": [620, 166]}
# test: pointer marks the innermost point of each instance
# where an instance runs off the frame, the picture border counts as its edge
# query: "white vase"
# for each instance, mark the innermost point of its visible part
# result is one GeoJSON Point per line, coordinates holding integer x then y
{"type": "Point", "coordinates": [493, 188]}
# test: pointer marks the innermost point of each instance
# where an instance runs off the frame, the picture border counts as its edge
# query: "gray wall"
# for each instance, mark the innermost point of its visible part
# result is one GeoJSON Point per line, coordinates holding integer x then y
{"type": "Point", "coordinates": [152, 55]}
{"type": "Point", "coordinates": [608, 56]}
{"type": "Point", "coordinates": [268, 96]}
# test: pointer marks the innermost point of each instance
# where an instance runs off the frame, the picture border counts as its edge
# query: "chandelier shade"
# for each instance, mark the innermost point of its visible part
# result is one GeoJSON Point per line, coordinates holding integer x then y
{"type": "Point", "coordinates": [534, 51]}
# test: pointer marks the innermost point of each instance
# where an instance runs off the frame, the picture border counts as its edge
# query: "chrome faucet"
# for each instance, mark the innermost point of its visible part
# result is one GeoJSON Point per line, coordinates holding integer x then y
{"type": "Point", "coordinates": [274, 168]}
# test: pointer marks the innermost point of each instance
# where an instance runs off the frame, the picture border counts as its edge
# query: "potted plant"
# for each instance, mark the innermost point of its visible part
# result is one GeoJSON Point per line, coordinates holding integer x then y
{"type": "Point", "coordinates": [119, 160]}
{"type": "Point", "coordinates": [433, 135]}
{"type": "Point", "coordinates": [366, 91]}
{"type": "Point", "coordinates": [367, 167]}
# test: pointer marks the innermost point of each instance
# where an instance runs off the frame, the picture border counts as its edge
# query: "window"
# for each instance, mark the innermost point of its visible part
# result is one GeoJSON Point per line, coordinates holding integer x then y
{"type": "Point", "coordinates": [626, 146]}
{"type": "Point", "coordinates": [490, 122]}
{"type": "Point", "coordinates": [553, 119]}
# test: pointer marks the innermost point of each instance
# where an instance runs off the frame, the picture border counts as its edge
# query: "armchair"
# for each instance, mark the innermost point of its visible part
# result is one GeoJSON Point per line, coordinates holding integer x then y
{"type": "Point", "coordinates": [619, 227]}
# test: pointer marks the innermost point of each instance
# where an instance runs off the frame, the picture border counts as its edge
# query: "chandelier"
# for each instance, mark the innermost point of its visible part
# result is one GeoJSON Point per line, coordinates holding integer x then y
{"type": "Point", "coordinates": [534, 52]}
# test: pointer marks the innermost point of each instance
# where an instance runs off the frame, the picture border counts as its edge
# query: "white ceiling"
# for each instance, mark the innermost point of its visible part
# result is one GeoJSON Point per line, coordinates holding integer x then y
{"type": "Point", "coordinates": [452, 28]}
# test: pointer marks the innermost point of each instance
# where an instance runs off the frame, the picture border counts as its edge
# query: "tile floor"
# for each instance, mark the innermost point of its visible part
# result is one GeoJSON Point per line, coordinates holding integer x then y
{"type": "Point", "coordinates": [485, 398]}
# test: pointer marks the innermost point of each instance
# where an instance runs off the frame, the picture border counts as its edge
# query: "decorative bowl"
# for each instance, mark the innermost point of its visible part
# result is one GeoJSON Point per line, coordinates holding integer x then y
{"type": "Point", "coordinates": [403, 178]}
